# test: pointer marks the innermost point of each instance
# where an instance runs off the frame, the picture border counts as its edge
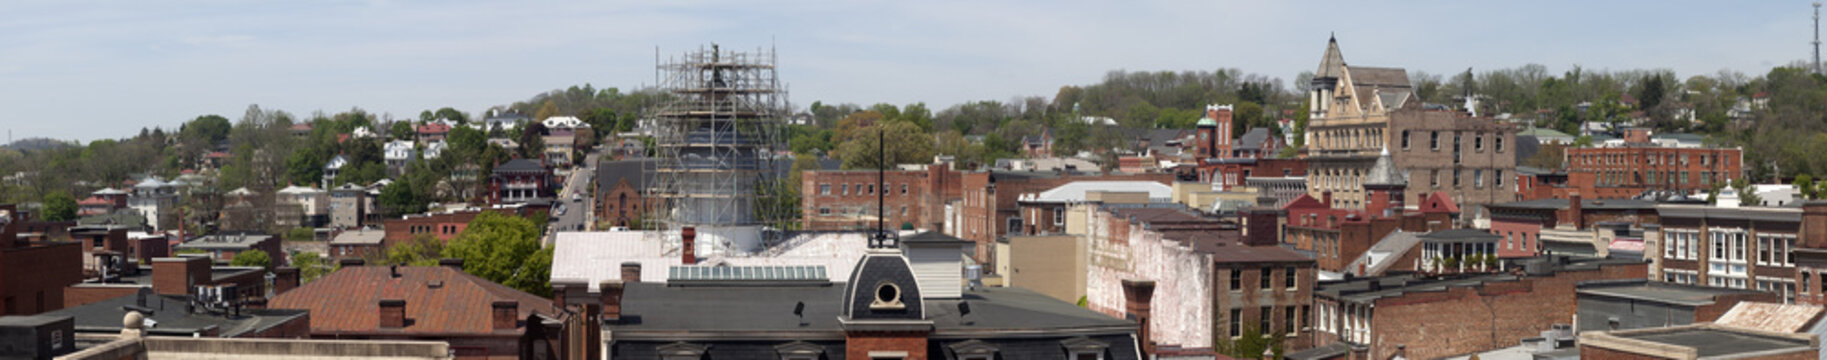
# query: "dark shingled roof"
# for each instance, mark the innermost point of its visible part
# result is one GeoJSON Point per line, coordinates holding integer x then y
{"type": "Point", "coordinates": [610, 173]}
{"type": "Point", "coordinates": [933, 237]}
{"type": "Point", "coordinates": [520, 165]}
{"type": "Point", "coordinates": [1330, 61]}
{"type": "Point", "coordinates": [1255, 139]}
{"type": "Point", "coordinates": [1383, 77]}
{"type": "Point", "coordinates": [1460, 235]}
{"type": "Point", "coordinates": [660, 309]}
{"type": "Point", "coordinates": [1716, 342]}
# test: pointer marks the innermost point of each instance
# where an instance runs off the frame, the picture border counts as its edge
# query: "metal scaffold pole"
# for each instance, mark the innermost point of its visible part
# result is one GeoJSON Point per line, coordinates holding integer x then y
{"type": "Point", "coordinates": [716, 140]}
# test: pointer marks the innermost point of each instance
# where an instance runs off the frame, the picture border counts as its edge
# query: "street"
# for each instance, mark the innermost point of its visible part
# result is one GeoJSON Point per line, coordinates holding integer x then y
{"type": "Point", "coordinates": [575, 200]}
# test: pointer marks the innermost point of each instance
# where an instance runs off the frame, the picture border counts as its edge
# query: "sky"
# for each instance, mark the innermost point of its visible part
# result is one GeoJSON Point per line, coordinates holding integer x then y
{"type": "Point", "coordinates": [86, 70]}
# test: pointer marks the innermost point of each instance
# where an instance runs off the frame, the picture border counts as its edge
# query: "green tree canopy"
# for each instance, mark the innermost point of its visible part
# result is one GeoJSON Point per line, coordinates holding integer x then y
{"type": "Point", "coordinates": [252, 258]}
{"type": "Point", "coordinates": [504, 249]}
{"type": "Point", "coordinates": [905, 144]}
{"type": "Point", "coordinates": [59, 206]}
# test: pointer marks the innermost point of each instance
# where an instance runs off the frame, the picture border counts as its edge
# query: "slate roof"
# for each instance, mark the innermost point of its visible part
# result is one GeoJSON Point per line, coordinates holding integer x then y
{"type": "Point", "coordinates": [1381, 255]}
{"type": "Point", "coordinates": [1383, 77]}
{"type": "Point", "coordinates": [439, 300]}
{"type": "Point", "coordinates": [1331, 61]}
{"type": "Point", "coordinates": [1384, 172]}
{"type": "Point", "coordinates": [1255, 139]}
{"type": "Point", "coordinates": [520, 165]}
{"type": "Point", "coordinates": [609, 173]}
{"type": "Point", "coordinates": [171, 319]}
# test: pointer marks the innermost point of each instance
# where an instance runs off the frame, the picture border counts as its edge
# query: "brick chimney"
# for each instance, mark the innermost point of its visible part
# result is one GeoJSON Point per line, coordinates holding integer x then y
{"type": "Point", "coordinates": [688, 239]}
{"type": "Point", "coordinates": [1260, 227]}
{"type": "Point", "coordinates": [631, 272]}
{"type": "Point", "coordinates": [1574, 212]}
{"type": "Point", "coordinates": [453, 263]}
{"type": "Point", "coordinates": [1326, 198]}
{"type": "Point", "coordinates": [611, 292]}
{"type": "Point", "coordinates": [1137, 295]}
{"type": "Point", "coordinates": [285, 278]}
{"type": "Point", "coordinates": [1358, 351]}
{"type": "Point", "coordinates": [177, 275]}
{"type": "Point", "coordinates": [1814, 224]}
{"type": "Point", "coordinates": [504, 314]}
{"type": "Point", "coordinates": [393, 313]}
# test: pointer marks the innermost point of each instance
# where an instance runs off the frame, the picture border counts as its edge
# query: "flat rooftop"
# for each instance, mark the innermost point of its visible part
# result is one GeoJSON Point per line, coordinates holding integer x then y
{"type": "Point", "coordinates": [1656, 291]}
{"type": "Point", "coordinates": [1708, 342]}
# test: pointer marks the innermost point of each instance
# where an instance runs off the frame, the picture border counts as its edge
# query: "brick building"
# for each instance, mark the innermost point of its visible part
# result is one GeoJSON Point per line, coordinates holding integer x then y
{"type": "Point", "coordinates": [990, 206]}
{"type": "Point", "coordinates": [1638, 163]}
{"type": "Point", "coordinates": [1357, 111]}
{"type": "Point", "coordinates": [33, 275]}
{"type": "Point", "coordinates": [1046, 212]}
{"type": "Point", "coordinates": [847, 199]}
{"type": "Point", "coordinates": [1481, 311]}
{"type": "Point", "coordinates": [480, 319]}
{"type": "Point", "coordinates": [1214, 283]}
{"type": "Point", "coordinates": [518, 181]}
{"type": "Point", "coordinates": [620, 187]}
{"type": "Point", "coordinates": [180, 276]}
{"type": "Point", "coordinates": [1530, 228]}
{"type": "Point", "coordinates": [224, 246]}
{"type": "Point", "coordinates": [1735, 247]}
{"type": "Point", "coordinates": [1337, 237]}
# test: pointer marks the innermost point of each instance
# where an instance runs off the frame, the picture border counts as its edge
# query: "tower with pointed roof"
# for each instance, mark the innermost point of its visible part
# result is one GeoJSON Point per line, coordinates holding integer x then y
{"type": "Point", "coordinates": [1325, 79]}
{"type": "Point", "coordinates": [1385, 186]}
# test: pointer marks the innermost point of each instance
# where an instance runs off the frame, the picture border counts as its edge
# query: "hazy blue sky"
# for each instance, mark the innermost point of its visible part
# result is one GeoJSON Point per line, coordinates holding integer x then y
{"type": "Point", "coordinates": [91, 69]}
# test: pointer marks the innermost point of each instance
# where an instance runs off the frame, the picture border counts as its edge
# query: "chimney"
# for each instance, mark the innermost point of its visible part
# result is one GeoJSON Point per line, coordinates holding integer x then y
{"type": "Point", "coordinates": [393, 313]}
{"type": "Point", "coordinates": [1260, 227]}
{"type": "Point", "coordinates": [1814, 224]}
{"type": "Point", "coordinates": [285, 278]}
{"type": "Point", "coordinates": [351, 262]}
{"type": "Point", "coordinates": [452, 263]}
{"type": "Point", "coordinates": [1573, 210]}
{"type": "Point", "coordinates": [611, 292]}
{"type": "Point", "coordinates": [1136, 295]}
{"type": "Point", "coordinates": [631, 272]}
{"type": "Point", "coordinates": [504, 314]}
{"type": "Point", "coordinates": [394, 271]}
{"type": "Point", "coordinates": [1326, 198]}
{"type": "Point", "coordinates": [1358, 352]}
{"type": "Point", "coordinates": [688, 239]}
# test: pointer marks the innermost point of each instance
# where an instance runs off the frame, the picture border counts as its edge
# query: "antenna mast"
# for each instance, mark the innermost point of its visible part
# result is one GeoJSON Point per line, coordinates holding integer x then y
{"type": "Point", "coordinates": [1816, 66]}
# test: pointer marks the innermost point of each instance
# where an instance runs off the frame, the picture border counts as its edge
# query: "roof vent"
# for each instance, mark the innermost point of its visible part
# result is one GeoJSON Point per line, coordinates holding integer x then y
{"type": "Point", "coordinates": [435, 284]}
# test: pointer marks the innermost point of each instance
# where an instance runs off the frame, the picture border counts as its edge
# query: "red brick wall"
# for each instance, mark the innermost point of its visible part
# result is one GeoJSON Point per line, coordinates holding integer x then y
{"type": "Point", "coordinates": [1523, 233]}
{"type": "Point", "coordinates": [297, 328]}
{"type": "Point", "coordinates": [1628, 166]}
{"type": "Point", "coordinates": [32, 279]}
{"type": "Point", "coordinates": [857, 345]}
{"type": "Point", "coordinates": [74, 296]}
{"type": "Point", "coordinates": [622, 205]}
{"type": "Point", "coordinates": [175, 277]}
{"type": "Point", "coordinates": [1466, 319]}
{"type": "Point", "coordinates": [444, 227]}
{"type": "Point", "coordinates": [925, 207]}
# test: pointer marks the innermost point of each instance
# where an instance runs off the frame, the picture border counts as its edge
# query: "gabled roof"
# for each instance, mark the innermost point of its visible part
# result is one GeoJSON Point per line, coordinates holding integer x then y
{"type": "Point", "coordinates": [1255, 139]}
{"type": "Point", "coordinates": [439, 300]}
{"type": "Point", "coordinates": [610, 173]}
{"type": "Point", "coordinates": [299, 190]}
{"type": "Point", "coordinates": [434, 128]}
{"type": "Point", "coordinates": [1383, 254]}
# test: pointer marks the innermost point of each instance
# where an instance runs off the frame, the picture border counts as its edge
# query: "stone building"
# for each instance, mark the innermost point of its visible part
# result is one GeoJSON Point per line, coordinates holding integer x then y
{"type": "Point", "coordinates": [1358, 111]}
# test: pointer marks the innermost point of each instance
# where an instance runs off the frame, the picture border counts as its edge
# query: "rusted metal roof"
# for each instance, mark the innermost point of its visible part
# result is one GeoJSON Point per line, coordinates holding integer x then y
{"type": "Point", "coordinates": [1784, 318]}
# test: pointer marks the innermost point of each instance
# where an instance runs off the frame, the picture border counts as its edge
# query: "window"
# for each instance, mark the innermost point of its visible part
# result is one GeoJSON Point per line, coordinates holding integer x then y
{"type": "Point", "coordinates": [1266, 279]}
{"type": "Point", "coordinates": [1059, 217]}
{"type": "Point", "coordinates": [1237, 320]}
{"type": "Point", "coordinates": [1433, 179]}
{"type": "Point", "coordinates": [1478, 142]}
{"type": "Point", "coordinates": [1288, 321]}
{"type": "Point", "coordinates": [871, 189]}
{"type": "Point", "coordinates": [1499, 178]}
{"type": "Point", "coordinates": [824, 211]}
{"type": "Point", "coordinates": [1287, 279]}
{"type": "Point", "coordinates": [903, 189]}
{"type": "Point", "coordinates": [843, 189]}
{"type": "Point", "coordinates": [1263, 321]}
{"type": "Point", "coordinates": [1478, 178]}
{"type": "Point", "coordinates": [1499, 140]}
{"type": "Point", "coordinates": [1236, 280]}
{"type": "Point", "coordinates": [1433, 140]}
{"type": "Point", "coordinates": [1456, 176]}
{"type": "Point", "coordinates": [1404, 139]}
{"type": "Point", "coordinates": [1014, 225]}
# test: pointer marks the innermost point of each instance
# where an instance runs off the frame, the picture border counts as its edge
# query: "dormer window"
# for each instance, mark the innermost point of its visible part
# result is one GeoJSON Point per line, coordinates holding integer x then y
{"type": "Point", "coordinates": [682, 351]}
{"type": "Point", "coordinates": [1084, 348]}
{"type": "Point", "coordinates": [887, 297]}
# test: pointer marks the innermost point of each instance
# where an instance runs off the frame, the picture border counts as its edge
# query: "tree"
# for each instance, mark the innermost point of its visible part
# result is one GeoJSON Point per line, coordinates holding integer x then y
{"type": "Point", "coordinates": [402, 130]}
{"type": "Point", "coordinates": [448, 113]}
{"type": "Point", "coordinates": [300, 234]}
{"type": "Point", "coordinates": [905, 144]}
{"type": "Point", "coordinates": [402, 197]}
{"type": "Point", "coordinates": [504, 249]}
{"type": "Point", "coordinates": [421, 250]}
{"type": "Point", "coordinates": [1804, 184]}
{"type": "Point", "coordinates": [59, 206]}
{"type": "Point", "coordinates": [311, 266]}
{"type": "Point", "coordinates": [1251, 344]}
{"type": "Point", "coordinates": [252, 258]}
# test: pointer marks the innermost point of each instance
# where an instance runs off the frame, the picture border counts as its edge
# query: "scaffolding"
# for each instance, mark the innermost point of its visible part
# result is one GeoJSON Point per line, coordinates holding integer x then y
{"type": "Point", "coordinates": [715, 140]}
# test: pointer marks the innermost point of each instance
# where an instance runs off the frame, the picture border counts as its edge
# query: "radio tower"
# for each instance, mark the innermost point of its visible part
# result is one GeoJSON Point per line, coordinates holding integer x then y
{"type": "Point", "coordinates": [1817, 38]}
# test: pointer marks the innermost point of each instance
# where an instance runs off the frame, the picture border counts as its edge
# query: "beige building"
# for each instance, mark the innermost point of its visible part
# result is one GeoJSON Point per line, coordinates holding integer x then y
{"type": "Point", "coordinates": [1358, 112]}
{"type": "Point", "coordinates": [1052, 265]}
